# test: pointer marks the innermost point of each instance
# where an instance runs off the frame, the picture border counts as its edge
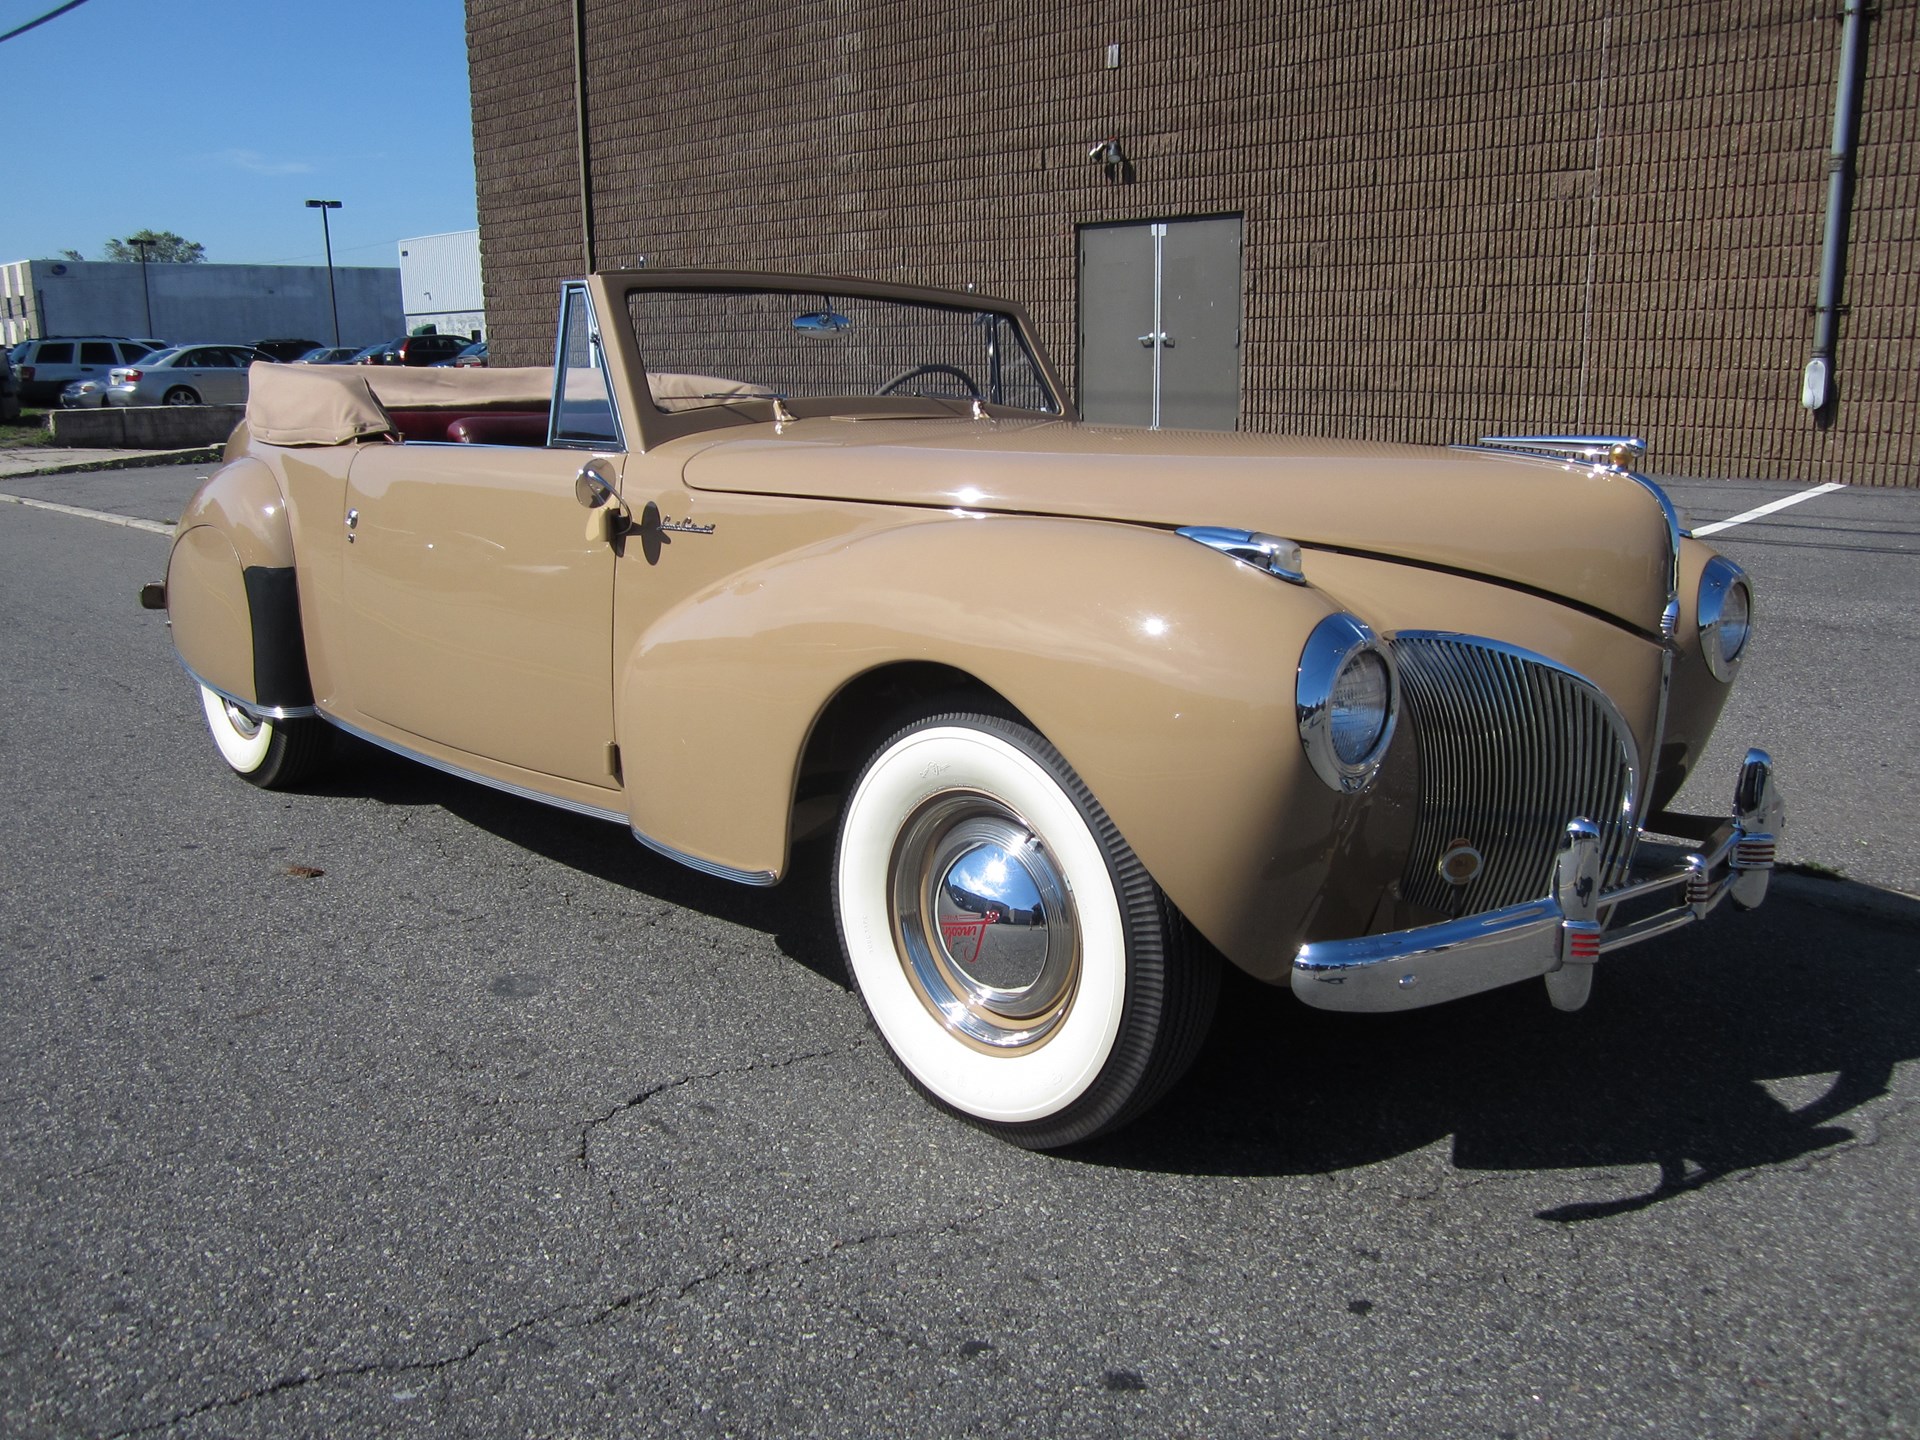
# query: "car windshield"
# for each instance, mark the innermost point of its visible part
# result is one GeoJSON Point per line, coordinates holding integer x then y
{"type": "Point", "coordinates": [158, 357]}
{"type": "Point", "coordinates": [764, 344]}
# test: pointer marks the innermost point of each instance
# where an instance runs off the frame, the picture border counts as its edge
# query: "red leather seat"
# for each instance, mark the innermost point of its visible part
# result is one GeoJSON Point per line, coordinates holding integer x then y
{"type": "Point", "coordinates": [420, 424]}
{"type": "Point", "coordinates": [499, 429]}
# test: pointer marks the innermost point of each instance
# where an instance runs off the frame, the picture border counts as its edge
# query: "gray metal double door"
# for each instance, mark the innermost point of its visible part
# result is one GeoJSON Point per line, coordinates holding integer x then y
{"type": "Point", "coordinates": [1160, 323]}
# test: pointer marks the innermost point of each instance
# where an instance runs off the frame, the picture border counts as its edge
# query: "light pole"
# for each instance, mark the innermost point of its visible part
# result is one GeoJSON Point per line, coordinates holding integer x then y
{"type": "Point", "coordinates": [145, 294]}
{"type": "Point", "coordinates": [327, 235]}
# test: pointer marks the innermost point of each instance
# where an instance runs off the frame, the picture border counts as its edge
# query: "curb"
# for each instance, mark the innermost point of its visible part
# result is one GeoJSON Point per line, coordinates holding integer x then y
{"type": "Point", "coordinates": [1851, 897]}
{"type": "Point", "coordinates": [124, 462]}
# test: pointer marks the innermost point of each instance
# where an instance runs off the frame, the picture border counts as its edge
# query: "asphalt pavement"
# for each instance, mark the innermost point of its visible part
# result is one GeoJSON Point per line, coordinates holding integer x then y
{"type": "Point", "coordinates": [399, 1106]}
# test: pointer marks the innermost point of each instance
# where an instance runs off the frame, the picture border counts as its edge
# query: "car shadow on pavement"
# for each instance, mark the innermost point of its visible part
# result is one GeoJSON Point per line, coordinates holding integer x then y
{"type": "Point", "coordinates": [1742, 1043]}
{"type": "Point", "coordinates": [797, 913]}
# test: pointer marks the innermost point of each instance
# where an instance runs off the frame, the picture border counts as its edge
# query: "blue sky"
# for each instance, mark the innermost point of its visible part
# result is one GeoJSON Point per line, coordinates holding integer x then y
{"type": "Point", "coordinates": [216, 119]}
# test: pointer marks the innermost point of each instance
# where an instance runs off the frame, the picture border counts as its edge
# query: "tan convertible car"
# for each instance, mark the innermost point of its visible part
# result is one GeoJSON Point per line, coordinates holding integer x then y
{"type": "Point", "coordinates": [1088, 708]}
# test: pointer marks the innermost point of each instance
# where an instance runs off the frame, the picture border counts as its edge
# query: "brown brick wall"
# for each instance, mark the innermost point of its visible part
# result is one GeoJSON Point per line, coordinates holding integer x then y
{"type": "Point", "coordinates": [1483, 215]}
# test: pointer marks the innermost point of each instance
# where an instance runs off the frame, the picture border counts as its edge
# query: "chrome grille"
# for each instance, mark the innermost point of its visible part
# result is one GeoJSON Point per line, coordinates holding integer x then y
{"type": "Point", "coordinates": [1512, 747]}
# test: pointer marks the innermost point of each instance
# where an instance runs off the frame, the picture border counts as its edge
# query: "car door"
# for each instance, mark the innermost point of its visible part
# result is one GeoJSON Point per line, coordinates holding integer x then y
{"type": "Point", "coordinates": [228, 385]}
{"type": "Point", "coordinates": [191, 369]}
{"type": "Point", "coordinates": [96, 359]}
{"type": "Point", "coordinates": [478, 610]}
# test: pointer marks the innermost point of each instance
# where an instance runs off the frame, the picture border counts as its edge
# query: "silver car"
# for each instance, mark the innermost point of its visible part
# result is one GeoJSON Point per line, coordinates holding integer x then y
{"type": "Point", "coordinates": [185, 375]}
{"type": "Point", "coordinates": [85, 394]}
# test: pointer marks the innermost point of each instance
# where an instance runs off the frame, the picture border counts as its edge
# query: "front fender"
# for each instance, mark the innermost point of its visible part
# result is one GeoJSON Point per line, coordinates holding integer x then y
{"type": "Point", "coordinates": [231, 593]}
{"type": "Point", "coordinates": [1162, 670]}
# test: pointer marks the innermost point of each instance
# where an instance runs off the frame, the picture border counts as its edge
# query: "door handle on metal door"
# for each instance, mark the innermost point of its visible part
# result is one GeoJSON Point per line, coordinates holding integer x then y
{"type": "Point", "coordinates": [607, 516]}
{"type": "Point", "coordinates": [1161, 337]}
{"type": "Point", "coordinates": [590, 487]}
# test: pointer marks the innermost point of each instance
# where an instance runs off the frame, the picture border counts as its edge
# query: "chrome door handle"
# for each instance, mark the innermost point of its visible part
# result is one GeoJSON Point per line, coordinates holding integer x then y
{"type": "Point", "coordinates": [590, 488]}
{"type": "Point", "coordinates": [1156, 337]}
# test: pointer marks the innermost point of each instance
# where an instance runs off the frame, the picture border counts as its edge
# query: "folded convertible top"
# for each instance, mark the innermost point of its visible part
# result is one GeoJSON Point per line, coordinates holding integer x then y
{"type": "Point", "coordinates": [338, 404]}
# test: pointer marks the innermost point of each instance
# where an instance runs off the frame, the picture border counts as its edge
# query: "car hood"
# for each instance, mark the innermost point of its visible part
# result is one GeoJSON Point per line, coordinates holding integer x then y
{"type": "Point", "coordinates": [1597, 538]}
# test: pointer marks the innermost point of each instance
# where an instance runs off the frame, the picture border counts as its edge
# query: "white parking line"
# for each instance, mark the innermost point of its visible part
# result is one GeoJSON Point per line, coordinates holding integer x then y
{"type": "Point", "coordinates": [1767, 509]}
{"type": "Point", "coordinates": [132, 522]}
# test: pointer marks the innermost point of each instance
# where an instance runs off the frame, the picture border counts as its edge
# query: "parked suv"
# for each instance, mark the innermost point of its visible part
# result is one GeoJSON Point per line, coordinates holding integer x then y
{"type": "Point", "coordinates": [48, 365]}
{"type": "Point", "coordinates": [415, 350]}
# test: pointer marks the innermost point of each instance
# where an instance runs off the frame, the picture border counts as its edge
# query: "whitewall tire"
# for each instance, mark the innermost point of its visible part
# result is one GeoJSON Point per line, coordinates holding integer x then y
{"type": "Point", "coordinates": [272, 754]}
{"type": "Point", "coordinates": [1023, 968]}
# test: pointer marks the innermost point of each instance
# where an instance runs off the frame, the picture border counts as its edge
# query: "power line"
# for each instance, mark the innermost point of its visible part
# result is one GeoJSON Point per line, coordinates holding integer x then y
{"type": "Point", "coordinates": [338, 250]}
{"type": "Point", "coordinates": [53, 14]}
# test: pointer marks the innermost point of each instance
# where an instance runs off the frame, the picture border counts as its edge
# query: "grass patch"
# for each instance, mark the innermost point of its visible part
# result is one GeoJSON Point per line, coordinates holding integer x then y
{"type": "Point", "coordinates": [31, 430]}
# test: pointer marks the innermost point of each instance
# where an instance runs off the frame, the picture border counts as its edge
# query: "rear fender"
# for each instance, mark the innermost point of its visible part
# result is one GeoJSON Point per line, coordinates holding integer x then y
{"type": "Point", "coordinates": [1162, 670]}
{"type": "Point", "coordinates": [232, 596]}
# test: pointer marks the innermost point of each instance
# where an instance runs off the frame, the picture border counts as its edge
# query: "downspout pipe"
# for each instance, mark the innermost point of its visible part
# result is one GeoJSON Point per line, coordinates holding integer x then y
{"type": "Point", "coordinates": [1817, 391]}
{"type": "Point", "coordinates": [580, 130]}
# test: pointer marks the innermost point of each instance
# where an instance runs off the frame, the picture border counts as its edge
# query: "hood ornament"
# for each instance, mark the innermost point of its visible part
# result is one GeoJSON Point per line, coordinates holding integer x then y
{"type": "Point", "coordinates": [1621, 452]}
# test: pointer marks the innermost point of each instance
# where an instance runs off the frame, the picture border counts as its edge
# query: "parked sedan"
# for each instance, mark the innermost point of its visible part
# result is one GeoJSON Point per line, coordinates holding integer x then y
{"type": "Point", "coordinates": [186, 375]}
{"type": "Point", "coordinates": [328, 355]}
{"type": "Point", "coordinates": [284, 350]}
{"type": "Point", "coordinates": [84, 395]}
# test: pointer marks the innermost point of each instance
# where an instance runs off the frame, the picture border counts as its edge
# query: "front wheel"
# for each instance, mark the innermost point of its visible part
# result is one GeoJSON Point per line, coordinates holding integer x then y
{"type": "Point", "coordinates": [1023, 968]}
{"type": "Point", "coordinates": [273, 754]}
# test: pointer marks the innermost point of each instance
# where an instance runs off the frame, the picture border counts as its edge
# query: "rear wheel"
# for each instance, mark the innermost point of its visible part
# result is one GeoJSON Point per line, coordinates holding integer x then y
{"type": "Point", "coordinates": [181, 395]}
{"type": "Point", "coordinates": [1023, 968]}
{"type": "Point", "coordinates": [273, 754]}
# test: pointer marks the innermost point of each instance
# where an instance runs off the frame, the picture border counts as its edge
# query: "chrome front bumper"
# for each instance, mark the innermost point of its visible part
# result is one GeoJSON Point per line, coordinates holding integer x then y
{"type": "Point", "coordinates": [1560, 936]}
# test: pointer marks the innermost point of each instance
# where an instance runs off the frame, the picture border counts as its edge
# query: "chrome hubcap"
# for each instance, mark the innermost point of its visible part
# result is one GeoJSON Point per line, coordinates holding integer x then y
{"type": "Point", "coordinates": [984, 922]}
{"type": "Point", "coordinates": [244, 725]}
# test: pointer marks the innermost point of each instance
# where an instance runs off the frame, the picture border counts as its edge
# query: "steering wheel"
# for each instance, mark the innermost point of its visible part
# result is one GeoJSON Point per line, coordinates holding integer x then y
{"type": "Point", "coordinates": [916, 371]}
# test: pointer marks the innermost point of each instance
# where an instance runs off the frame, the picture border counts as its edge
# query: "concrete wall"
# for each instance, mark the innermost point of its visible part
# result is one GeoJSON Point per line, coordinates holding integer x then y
{"type": "Point", "coordinates": [1459, 218]}
{"type": "Point", "coordinates": [145, 427]}
{"type": "Point", "coordinates": [230, 303]}
{"type": "Point", "coordinates": [440, 283]}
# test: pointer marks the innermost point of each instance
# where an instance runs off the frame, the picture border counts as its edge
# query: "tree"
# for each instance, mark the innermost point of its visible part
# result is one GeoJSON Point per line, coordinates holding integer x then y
{"type": "Point", "coordinates": [161, 245]}
{"type": "Point", "coordinates": [71, 255]}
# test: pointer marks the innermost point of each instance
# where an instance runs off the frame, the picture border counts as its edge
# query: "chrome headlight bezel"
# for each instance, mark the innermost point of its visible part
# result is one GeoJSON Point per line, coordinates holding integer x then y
{"type": "Point", "coordinates": [1336, 642]}
{"type": "Point", "coordinates": [1722, 645]}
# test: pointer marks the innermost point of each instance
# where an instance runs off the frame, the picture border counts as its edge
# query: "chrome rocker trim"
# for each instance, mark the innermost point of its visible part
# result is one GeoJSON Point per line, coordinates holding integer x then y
{"type": "Point", "coordinates": [759, 878]}
{"type": "Point", "coordinates": [249, 707]}
{"type": "Point", "coordinates": [578, 807]}
{"type": "Point", "coordinates": [460, 773]}
{"type": "Point", "coordinates": [1560, 936]}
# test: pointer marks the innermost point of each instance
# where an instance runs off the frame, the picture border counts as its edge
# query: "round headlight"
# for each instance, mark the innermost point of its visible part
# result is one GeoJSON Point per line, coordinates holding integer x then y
{"type": "Point", "coordinates": [1726, 615]}
{"type": "Point", "coordinates": [1347, 695]}
{"type": "Point", "coordinates": [1359, 706]}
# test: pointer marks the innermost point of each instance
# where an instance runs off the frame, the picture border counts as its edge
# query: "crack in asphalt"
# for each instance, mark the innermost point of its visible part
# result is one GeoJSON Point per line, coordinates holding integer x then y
{"type": "Point", "coordinates": [641, 1299]}
{"type": "Point", "coordinates": [637, 1300]}
{"type": "Point", "coordinates": [85, 1171]}
{"type": "Point", "coordinates": [314, 1377]}
{"type": "Point", "coordinates": [584, 1160]}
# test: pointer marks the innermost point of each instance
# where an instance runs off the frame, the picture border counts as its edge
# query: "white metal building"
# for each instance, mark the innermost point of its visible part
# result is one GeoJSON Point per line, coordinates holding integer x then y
{"type": "Point", "coordinates": [227, 303]}
{"type": "Point", "coordinates": [440, 283]}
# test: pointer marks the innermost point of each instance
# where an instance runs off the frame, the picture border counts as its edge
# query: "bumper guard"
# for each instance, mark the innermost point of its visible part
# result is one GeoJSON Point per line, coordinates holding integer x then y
{"type": "Point", "coordinates": [1562, 935]}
